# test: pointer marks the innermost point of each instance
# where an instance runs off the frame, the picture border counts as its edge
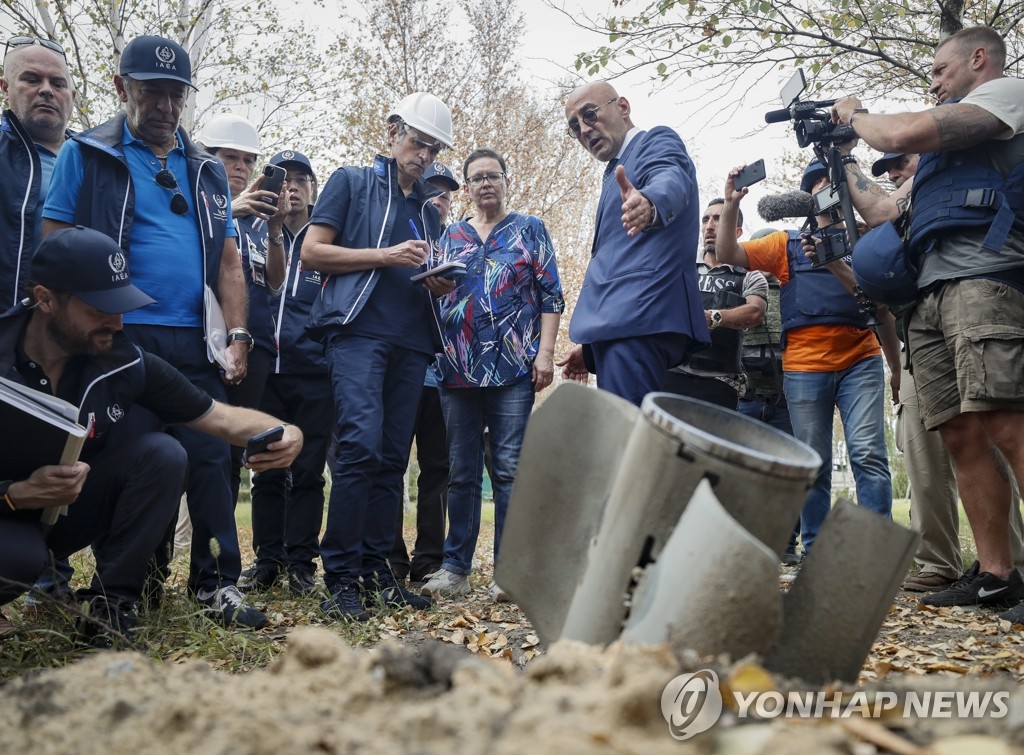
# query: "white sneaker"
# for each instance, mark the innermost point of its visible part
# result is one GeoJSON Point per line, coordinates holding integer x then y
{"type": "Point", "coordinates": [495, 593]}
{"type": "Point", "coordinates": [446, 584]}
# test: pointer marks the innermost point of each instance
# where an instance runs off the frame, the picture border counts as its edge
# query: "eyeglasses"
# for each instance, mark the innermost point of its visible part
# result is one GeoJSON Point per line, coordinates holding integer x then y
{"type": "Point", "coordinates": [491, 178]}
{"type": "Point", "coordinates": [589, 117]}
{"type": "Point", "coordinates": [179, 205]}
{"type": "Point", "coordinates": [14, 42]}
{"type": "Point", "coordinates": [433, 148]}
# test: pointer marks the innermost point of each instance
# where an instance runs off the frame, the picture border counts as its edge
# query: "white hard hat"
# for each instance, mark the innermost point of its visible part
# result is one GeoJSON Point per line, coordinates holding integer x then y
{"type": "Point", "coordinates": [226, 130]}
{"type": "Point", "coordinates": [425, 112]}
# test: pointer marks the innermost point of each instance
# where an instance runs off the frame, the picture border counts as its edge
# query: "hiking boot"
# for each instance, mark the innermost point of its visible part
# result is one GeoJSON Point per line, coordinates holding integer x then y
{"type": "Point", "coordinates": [344, 602]}
{"type": "Point", "coordinates": [261, 577]}
{"type": "Point", "coordinates": [446, 584]}
{"type": "Point", "coordinates": [106, 626]}
{"type": "Point", "coordinates": [228, 607]}
{"type": "Point", "coordinates": [391, 593]}
{"type": "Point", "coordinates": [927, 581]}
{"type": "Point", "coordinates": [301, 582]}
{"type": "Point", "coordinates": [495, 593]}
{"type": "Point", "coordinates": [977, 588]}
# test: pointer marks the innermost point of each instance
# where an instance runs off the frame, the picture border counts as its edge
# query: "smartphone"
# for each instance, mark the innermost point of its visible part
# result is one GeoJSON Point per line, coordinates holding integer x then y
{"type": "Point", "coordinates": [449, 270]}
{"type": "Point", "coordinates": [749, 175]}
{"type": "Point", "coordinates": [258, 443]}
{"type": "Point", "coordinates": [273, 180]}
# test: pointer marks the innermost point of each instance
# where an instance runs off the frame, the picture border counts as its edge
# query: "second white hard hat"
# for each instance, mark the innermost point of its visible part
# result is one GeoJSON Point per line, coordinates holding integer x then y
{"type": "Point", "coordinates": [226, 130]}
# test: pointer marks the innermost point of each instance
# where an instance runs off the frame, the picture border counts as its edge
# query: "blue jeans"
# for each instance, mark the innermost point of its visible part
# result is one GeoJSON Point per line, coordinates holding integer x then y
{"type": "Point", "coordinates": [858, 391]}
{"type": "Point", "coordinates": [467, 411]}
{"type": "Point", "coordinates": [377, 389]}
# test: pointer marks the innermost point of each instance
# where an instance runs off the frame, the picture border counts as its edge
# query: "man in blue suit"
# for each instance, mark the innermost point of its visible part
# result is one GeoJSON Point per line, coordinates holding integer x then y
{"type": "Point", "coordinates": [639, 312]}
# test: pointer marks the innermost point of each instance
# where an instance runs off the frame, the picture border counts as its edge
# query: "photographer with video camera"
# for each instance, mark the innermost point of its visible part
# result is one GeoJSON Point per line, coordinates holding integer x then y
{"type": "Point", "coordinates": [830, 355]}
{"type": "Point", "coordinates": [961, 256]}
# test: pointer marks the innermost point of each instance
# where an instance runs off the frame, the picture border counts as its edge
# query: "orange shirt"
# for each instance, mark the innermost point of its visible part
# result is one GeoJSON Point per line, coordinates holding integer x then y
{"type": "Point", "coordinates": [812, 348]}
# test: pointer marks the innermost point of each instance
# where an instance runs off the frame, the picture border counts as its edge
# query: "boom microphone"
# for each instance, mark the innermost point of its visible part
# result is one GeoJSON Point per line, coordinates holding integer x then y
{"type": "Point", "coordinates": [791, 204]}
{"type": "Point", "coordinates": [777, 116]}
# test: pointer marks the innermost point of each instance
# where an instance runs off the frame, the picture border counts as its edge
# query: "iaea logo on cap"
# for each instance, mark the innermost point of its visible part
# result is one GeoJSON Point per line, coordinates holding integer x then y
{"type": "Point", "coordinates": [287, 155]}
{"type": "Point", "coordinates": [118, 264]}
{"type": "Point", "coordinates": [166, 57]}
{"type": "Point", "coordinates": [439, 168]}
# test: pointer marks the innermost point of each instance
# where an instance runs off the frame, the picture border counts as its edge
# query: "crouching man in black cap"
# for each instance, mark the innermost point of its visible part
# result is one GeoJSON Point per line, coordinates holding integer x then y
{"type": "Point", "coordinates": [66, 340]}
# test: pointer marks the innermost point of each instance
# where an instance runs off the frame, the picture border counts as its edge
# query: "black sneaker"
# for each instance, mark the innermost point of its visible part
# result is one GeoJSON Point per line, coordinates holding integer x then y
{"type": "Point", "coordinates": [393, 594]}
{"type": "Point", "coordinates": [344, 603]}
{"type": "Point", "coordinates": [979, 588]}
{"type": "Point", "coordinates": [228, 607]}
{"type": "Point", "coordinates": [301, 581]}
{"type": "Point", "coordinates": [106, 626]}
{"type": "Point", "coordinates": [259, 578]}
{"type": "Point", "coordinates": [791, 557]}
{"type": "Point", "coordinates": [1015, 615]}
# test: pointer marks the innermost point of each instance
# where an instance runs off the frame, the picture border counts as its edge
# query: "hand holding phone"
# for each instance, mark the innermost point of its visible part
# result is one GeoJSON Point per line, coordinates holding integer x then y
{"type": "Point", "coordinates": [273, 180]}
{"type": "Point", "coordinates": [749, 176]}
{"type": "Point", "coordinates": [259, 443]}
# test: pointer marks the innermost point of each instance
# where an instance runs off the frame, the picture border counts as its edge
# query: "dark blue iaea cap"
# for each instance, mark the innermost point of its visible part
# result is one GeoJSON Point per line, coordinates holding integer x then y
{"type": "Point", "coordinates": [148, 58]}
{"type": "Point", "coordinates": [812, 173]}
{"type": "Point", "coordinates": [291, 156]}
{"type": "Point", "coordinates": [440, 173]}
{"type": "Point", "coordinates": [89, 265]}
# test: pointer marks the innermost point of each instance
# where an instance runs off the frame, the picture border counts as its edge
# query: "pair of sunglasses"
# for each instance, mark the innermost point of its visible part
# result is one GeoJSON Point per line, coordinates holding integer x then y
{"type": "Point", "coordinates": [179, 205]}
{"type": "Point", "coordinates": [15, 42]}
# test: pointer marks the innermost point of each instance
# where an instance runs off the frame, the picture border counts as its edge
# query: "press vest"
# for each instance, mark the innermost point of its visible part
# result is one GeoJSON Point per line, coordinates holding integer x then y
{"type": "Point", "coordinates": [955, 191]}
{"type": "Point", "coordinates": [721, 288]}
{"type": "Point", "coordinates": [814, 296]}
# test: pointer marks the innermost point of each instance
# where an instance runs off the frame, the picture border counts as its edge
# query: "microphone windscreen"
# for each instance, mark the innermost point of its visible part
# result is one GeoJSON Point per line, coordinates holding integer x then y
{"type": "Point", "coordinates": [791, 204]}
{"type": "Point", "coordinates": [777, 116]}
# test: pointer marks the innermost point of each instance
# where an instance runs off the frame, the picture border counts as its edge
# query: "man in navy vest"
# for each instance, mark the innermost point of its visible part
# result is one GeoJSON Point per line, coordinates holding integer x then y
{"type": "Point", "coordinates": [966, 237]}
{"type": "Point", "coordinates": [639, 312]}
{"type": "Point", "coordinates": [122, 492]}
{"type": "Point", "coordinates": [139, 179]}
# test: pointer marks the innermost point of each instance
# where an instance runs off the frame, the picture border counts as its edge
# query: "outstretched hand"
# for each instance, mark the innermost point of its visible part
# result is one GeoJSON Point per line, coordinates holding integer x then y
{"type": "Point", "coordinates": [637, 210]}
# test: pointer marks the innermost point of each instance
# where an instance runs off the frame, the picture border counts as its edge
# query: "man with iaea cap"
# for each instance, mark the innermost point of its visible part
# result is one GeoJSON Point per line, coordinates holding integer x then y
{"type": "Point", "coordinates": [123, 490]}
{"type": "Point", "coordinates": [139, 179]}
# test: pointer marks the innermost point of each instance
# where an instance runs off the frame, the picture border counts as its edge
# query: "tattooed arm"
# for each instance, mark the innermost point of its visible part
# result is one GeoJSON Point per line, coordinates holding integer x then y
{"type": "Point", "coordinates": [951, 126]}
{"type": "Point", "coordinates": [874, 203]}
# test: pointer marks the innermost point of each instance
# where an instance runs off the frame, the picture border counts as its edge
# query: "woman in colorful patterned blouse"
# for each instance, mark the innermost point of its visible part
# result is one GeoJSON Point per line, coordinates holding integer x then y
{"type": "Point", "coordinates": [498, 329]}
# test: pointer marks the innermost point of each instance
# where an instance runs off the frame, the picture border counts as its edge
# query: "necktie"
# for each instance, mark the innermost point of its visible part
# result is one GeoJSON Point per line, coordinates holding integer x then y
{"type": "Point", "coordinates": [609, 169]}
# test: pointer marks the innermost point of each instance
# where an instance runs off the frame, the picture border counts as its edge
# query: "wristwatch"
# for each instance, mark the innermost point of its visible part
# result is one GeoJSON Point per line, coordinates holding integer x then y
{"type": "Point", "coordinates": [716, 318]}
{"type": "Point", "coordinates": [278, 239]}
{"type": "Point", "coordinates": [240, 334]}
{"type": "Point", "coordinates": [4, 487]}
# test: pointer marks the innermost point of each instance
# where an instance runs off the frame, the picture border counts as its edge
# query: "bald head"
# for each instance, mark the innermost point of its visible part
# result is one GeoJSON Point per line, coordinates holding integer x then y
{"type": "Point", "coordinates": [599, 118]}
{"type": "Point", "coordinates": [37, 84]}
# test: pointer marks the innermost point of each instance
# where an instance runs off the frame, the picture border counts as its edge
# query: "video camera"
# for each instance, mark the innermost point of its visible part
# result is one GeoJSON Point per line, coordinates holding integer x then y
{"type": "Point", "coordinates": [812, 120]}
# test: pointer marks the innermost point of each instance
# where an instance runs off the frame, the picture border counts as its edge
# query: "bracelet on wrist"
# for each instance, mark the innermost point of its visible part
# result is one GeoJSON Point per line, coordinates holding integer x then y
{"type": "Point", "coordinates": [849, 160]}
{"type": "Point", "coordinates": [855, 111]}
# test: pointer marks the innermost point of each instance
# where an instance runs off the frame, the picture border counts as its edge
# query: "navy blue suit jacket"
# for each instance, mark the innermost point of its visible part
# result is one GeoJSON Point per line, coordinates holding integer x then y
{"type": "Point", "coordinates": [646, 284]}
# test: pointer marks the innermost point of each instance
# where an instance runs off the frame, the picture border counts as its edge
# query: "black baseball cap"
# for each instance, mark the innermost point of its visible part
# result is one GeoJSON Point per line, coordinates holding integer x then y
{"type": "Point", "coordinates": [147, 58]}
{"type": "Point", "coordinates": [287, 156]}
{"type": "Point", "coordinates": [90, 265]}
{"type": "Point", "coordinates": [881, 165]}
{"type": "Point", "coordinates": [441, 173]}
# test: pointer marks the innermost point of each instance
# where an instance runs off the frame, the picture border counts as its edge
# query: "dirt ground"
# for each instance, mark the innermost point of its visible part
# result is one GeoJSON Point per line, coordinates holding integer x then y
{"type": "Point", "coordinates": [472, 677]}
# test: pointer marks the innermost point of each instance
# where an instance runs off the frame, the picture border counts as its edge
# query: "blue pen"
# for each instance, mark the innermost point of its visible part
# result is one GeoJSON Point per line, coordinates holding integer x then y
{"type": "Point", "coordinates": [415, 230]}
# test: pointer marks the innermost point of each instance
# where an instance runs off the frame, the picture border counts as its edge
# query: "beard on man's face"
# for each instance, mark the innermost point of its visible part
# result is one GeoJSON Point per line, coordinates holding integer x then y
{"type": "Point", "coordinates": [76, 342]}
